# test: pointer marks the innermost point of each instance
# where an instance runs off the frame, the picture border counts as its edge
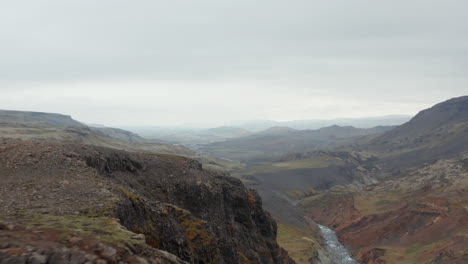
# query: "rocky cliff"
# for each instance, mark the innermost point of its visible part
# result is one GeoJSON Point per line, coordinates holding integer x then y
{"type": "Point", "coordinates": [139, 205]}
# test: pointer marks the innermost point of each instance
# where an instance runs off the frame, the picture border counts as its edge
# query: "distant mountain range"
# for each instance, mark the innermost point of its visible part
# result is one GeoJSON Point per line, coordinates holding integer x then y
{"type": "Point", "coordinates": [280, 140]}
{"type": "Point", "coordinates": [365, 122]}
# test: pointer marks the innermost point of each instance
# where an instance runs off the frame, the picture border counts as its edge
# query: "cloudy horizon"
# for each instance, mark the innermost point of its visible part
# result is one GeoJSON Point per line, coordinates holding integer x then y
{"type": "Point", "coordinates": [166, 63]}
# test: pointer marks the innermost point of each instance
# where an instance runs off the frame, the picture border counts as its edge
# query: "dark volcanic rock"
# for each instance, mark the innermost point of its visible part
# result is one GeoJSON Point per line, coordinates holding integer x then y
{"type": "Point", "coordinates": [197, 215]}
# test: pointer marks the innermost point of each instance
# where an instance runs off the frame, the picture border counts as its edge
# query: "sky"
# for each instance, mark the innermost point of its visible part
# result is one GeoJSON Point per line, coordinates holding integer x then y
{"type": "Point", "coordinates": [166, 63]}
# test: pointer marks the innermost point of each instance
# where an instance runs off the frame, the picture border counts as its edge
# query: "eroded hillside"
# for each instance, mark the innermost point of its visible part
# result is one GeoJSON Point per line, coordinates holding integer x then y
{"type": "Point", "coordinates": [419, 217]}
{"type": "Point", "coordinates": [95, 201]}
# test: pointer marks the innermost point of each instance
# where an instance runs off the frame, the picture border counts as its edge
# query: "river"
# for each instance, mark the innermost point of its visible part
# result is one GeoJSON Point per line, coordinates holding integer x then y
{"type": "Point", "coordinates": [338, 252]}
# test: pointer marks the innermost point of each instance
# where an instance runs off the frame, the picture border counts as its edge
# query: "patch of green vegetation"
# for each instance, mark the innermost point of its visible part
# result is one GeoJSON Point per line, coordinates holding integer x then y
{"type": "Point", "coordinates": [243, 258]}
{"type": "Point", "coordinates": [302, 194]}
{"type": "Point", "coordinates": [221, 165]}
{"type": "Point", "coordinates": [164, 155]}
{"type": "Point", "coordinates": [413, 250]}
{"type": "Point", "coordinates": [312, 200]}
{"type": "Point", "coordinates": [244, 179]}
{"type": "Point", "coordinates": [106, 229]}
{"type": "Point", "coordinates": [377, 203]}
{"type": "Point", "coordinates": [300, 243]}
{"type": "Point", "coordinates": [313, 163]}
{"type": "Point", "coordinates": [128, 193]}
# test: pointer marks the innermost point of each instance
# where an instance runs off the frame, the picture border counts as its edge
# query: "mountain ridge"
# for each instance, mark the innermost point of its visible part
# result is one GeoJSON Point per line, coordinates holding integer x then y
{"type": "Point", "coordinates": [38, 118]}
{"type": "Point", "coordinates": [436, 132]}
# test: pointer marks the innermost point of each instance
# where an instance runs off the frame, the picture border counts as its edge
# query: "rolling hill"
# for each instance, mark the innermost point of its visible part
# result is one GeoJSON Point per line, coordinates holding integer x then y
{"type": "Point", "coordinates": [274, 142]}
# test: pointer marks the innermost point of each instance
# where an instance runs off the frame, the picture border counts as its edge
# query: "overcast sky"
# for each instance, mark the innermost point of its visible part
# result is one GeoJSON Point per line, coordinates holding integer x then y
{"type": "Point", "coordinates": [159, 62]}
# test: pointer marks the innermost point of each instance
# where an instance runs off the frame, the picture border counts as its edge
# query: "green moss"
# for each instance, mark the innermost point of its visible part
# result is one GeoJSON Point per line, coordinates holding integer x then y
{"type": "Point", "coordinates": [106, 229]}
{"type": "Point", "coordinates": [128, 193]}
{"type": "Point", "coordinates": [302, 194]}
{"type": "Point", "coordinates": [243, 258]}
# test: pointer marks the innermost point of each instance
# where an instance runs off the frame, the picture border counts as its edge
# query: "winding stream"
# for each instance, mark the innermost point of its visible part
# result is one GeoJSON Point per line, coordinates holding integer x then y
{"type": "Point", "coordinates": [338, 252]}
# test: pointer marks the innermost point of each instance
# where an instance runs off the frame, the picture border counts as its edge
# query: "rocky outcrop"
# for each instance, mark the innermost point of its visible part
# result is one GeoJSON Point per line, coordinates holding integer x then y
{"type": "Point", "coordinates": [372, 256]}
{"type": "Point", "coordinates": [197, 215]}
{"type": "Point", "coordinates": [19, 245]}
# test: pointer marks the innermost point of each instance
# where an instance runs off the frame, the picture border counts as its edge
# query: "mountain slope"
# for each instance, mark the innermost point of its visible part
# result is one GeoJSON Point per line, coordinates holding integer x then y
{"type": "Point", "coordinates": [417, 212]}
{"type": "Point", "coordinates": [438, 132]}
{"type": "Point", "coordinates": [119, 134]}
{"type": "Point", "coordinates": [419, 217]}
{"type": "Point", "coordinates": [82, 191]}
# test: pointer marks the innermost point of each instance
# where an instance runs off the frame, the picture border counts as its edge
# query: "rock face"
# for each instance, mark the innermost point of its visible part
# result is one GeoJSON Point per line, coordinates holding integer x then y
{"type": "Point", "coordinates": [41, 246]}
{"type": "Point", "coordinates": [196, 215]}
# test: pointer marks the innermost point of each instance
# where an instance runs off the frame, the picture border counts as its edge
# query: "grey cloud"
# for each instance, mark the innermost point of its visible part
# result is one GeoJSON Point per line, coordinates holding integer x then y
{"type": "Point", "coordinates": [400, 51]}
{"type": "Point", "coordinates": [198, 39]}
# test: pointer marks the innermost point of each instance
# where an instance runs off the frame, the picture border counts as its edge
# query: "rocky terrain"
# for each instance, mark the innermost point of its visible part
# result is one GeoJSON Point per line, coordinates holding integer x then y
{"type": "Point", "coordinates": [393, 195]}
{"type": "Point", "coordinates": [76, 203]}
{"type": "Point", "coordinates": [83, 135]}
{"type": "Point", "coordinates": [61, 128]}
{"type": "Point", "coordinates": [420, 217]}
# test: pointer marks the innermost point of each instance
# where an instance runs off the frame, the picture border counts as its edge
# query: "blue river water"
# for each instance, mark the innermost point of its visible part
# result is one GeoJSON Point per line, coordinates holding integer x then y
{"type": "Point", "coordinates": [338, 252]}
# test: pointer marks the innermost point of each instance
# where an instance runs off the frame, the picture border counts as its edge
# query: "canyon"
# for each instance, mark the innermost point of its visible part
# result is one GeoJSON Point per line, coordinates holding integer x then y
{"type": "Point", "coordinates": [75, 193]}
